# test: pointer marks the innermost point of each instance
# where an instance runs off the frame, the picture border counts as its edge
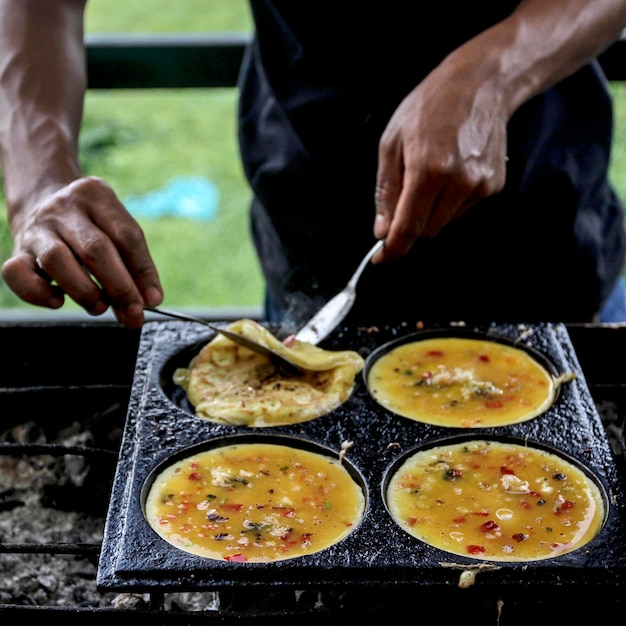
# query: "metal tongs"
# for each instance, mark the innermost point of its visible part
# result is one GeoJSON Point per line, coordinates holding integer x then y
{"type": "Point", "coordinates": [316, 329]}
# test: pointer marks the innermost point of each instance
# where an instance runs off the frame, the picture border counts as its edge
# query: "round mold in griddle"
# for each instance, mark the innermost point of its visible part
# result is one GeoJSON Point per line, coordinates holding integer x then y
{"type": "Point", "coordinates": [181, 359]}
{"type": "Point", "coordinates": [283, 498]}
{"type": "Point", "coordinates": [457, 397]}
{"type": "Point", "coordinates": [532, 520]}
{"type": "Point", "coordinates": [175, 393]}
{"type": "Point", "coordinates": [232, 389]}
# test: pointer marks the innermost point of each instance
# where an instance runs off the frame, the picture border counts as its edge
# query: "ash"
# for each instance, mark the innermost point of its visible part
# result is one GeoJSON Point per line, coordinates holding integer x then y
{"type": "Point", "coordinates": [613, 423]}
{"type": "Point", "coordinates": [46, 499]}
{"type": "Point", "coordinates": [40, 504]}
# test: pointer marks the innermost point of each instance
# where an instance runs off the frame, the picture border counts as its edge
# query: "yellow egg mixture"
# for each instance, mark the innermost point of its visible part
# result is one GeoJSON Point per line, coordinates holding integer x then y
{"type": "Point", "coordinates": [461, 383]}
{"type": "Point", "coordinates": [495, 501]}
{"type": "Point", "coordinates": [254, 502]}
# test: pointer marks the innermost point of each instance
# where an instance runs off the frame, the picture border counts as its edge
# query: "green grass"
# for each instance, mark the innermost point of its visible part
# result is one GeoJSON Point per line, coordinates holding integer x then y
{"type": "Point", "coordinates": [139, 140]}
{"type": "Point", "coordinates": [192, 133]}
{"type": "Point", "coordinates": [162, 16]}
{"type": "Point", "coordinates": [618, 160]}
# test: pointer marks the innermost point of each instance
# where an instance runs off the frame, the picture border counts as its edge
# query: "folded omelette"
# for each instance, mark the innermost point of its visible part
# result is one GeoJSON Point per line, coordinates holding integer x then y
{"type": "Point", "coordinates": [230, 384]}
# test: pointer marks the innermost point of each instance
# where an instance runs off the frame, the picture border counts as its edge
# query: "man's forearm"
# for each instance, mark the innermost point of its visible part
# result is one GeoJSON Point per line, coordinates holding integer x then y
{"type": "Point", "coordinates": [559, 36]}
{"type": "Point", "coordinates": [42, 84]}
{"type": "Point", "coordinates": [541, 43]}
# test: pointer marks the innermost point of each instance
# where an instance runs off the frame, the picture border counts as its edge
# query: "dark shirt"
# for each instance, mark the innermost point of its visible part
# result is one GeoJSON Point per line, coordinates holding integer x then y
{"type": "Point", "coordinates": [318, 85]}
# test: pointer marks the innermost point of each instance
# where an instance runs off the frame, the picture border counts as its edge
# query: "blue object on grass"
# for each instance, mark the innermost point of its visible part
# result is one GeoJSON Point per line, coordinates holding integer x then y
{"type": "Point", "coordinates": [191, 197]}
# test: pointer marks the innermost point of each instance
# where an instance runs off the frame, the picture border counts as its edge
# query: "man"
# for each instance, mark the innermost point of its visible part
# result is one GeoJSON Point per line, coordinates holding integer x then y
{"type": "Point", "coordinates": [473, 138]}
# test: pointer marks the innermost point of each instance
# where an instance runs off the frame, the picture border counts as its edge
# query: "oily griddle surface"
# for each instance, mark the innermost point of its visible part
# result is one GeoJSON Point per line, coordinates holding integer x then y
{"type": "Point", "coordinates": [160, 426]}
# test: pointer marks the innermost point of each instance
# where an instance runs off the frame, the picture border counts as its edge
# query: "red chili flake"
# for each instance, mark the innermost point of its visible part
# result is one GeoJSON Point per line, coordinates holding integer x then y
{"type": "Point", "coordinates": [434, 353]}
{"type": "Point", "coordinates": [488, 526]}
{"type": "Point", "coordinates": [493, 404]}
{"type": "Point", "coordinates": [459, 520]}
{"type": "Point", "coordinates": [524, 504]}
{"type": "Point", "coordinates": [519, 537]}
{"type": "Point", "coordinates": [484, 358]}
{"type": "Point", "coordinates": [506, 470]}
{"type": "Point", "coordinates": [427, 375]}
{"type": "Point", "coordinates": [480, 513]}
{"type": "Point", "coordinates": [290, 513]}
{"type": "Point", "coordinates": [411, 521]}
{"type": "Point", "coordinates": [193, 465]}
{"type": "Point", "coordinates": [368, 329]}
{"type": "Point", "coordinates": [472, 549]}
{"type": "Point", "coordinates": [566, 506]}
{"type": "Point", "coordinates": [288, 341]}
{"type": "Point", "coordinates": [232, 507]}
{"type": "Point", "coordinates": [236, 558]}
{"type": "Point", "coordinates": [194, 476]}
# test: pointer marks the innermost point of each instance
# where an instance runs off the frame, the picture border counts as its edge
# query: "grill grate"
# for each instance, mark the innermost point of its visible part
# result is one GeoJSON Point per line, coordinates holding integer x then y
{"type": "Point", "coordinates": [60, 430]}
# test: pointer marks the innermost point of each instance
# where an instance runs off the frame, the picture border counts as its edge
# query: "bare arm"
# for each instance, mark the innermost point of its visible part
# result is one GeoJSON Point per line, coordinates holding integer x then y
{"type": "Point", "coordinates": [444, 148]}
{"type": "Point", "coordinates": [71, 233]}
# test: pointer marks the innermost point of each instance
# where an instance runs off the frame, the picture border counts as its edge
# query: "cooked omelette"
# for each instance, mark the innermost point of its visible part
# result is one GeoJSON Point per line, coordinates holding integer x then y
{"type": "Point", "coordinates": [230, 384]}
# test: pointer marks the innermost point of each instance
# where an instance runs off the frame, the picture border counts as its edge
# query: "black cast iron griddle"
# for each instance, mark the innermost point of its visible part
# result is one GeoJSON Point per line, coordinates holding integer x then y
{"type": "Point", "coordinates": [378, 554]}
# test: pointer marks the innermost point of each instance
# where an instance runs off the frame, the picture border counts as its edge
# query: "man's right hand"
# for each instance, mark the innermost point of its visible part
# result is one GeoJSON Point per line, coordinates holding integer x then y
{"type": "Point", "coordinates": [71, 234]}
{"type": "Point", "coordinates": [82, 242]}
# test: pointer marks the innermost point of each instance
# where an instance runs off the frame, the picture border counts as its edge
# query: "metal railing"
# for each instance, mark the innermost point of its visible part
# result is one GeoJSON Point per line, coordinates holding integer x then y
{"type": "Point", "coordinates": [205, 60]}
{"type": "Point", "coordinates": [164, 61]}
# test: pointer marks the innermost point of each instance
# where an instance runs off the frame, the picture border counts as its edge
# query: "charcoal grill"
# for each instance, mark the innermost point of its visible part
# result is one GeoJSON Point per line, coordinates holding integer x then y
{"type": "Point", "coordinates": [48, 385]}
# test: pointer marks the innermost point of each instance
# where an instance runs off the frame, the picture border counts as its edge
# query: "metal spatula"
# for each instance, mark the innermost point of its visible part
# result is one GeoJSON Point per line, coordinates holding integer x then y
{"type": "Point", "coordinates": [316, 329]}
{"type": "Point", "coordinates": [336, 309]}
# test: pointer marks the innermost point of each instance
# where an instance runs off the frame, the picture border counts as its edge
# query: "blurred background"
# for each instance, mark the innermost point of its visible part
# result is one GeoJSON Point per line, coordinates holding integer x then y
{"type": "Point", "coordinates": [171, 155]}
